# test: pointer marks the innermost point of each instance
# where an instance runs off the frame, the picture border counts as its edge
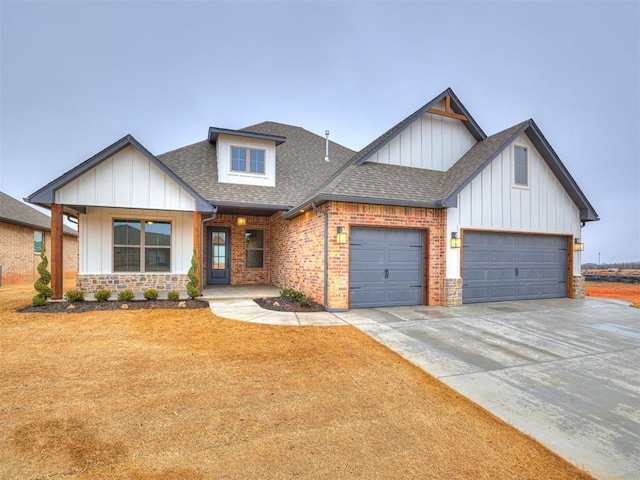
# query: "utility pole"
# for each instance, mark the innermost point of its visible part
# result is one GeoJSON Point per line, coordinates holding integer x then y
{"type": "Point", "coordinates": [598, 259]}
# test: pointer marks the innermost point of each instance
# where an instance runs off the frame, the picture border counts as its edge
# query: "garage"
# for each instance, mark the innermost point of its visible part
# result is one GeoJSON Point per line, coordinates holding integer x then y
{"type": "Point", "coordinates": [385, 267]}
{"type": "Point", "coordinates": [509, 266]}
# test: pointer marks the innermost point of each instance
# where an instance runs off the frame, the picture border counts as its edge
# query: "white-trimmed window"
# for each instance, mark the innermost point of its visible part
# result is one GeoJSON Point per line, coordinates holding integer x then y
{"type": "Point", "coordinates": [254, 248]}
{"type": "Point", "coordinates": [248, 160]}
{"type": "Point", "coordinates": [141, 246]}
{"type": "Point", "coordinates": [520, 166]}
{"type": "Point", "coordinates": [38, 241]}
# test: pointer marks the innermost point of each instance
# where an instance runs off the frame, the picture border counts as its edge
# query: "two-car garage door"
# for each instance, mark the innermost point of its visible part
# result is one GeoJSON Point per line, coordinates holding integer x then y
{"type": "Point", "coordinates": [386, 267]}
{"type": "Point", "coordinates": [509, 266]}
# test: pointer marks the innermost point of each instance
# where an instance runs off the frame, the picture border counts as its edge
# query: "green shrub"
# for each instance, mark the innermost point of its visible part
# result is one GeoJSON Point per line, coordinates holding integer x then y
{"type": "Point", "coordinates": [126, 296]}
{"type": "Point", "coordinates": [173, 295]}
{"type": "Point", "coordinates": [192, 285]}
{"type": "Point", "coordinates": [38, 301]}
{"type": "Point", "coordinates": [296, 296]}
{"type": "Point", "coordinates": [150, 294]}
{"type": "Point", "coordinates": [74, 295]}
{"type": "Point", "coordinates": [102, 295]}
{"type": "Point", "coordinates": [42, 284]}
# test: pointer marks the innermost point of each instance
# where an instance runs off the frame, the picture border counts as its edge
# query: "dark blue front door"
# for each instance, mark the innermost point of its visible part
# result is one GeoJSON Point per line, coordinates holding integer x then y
{"type": "Point", "coordinates": [219, 255]}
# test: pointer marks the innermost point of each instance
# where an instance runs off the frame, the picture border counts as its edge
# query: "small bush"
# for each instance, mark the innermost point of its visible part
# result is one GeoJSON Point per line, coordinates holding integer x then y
{"type": "Point", "coordinates": [74, 296]}
{"type": "Point", "coordinates": [126, 296]}
{"type": "Point", "coordinates": [173, 295]}
{"type": "Point", "coordinates": [38, 301]}
{"type": "Point", "coordinates": [151, 294]}
{"type": "Point", "coordinates": [296, 296]}
{"type": "Point", "coordinates": [102, 295]}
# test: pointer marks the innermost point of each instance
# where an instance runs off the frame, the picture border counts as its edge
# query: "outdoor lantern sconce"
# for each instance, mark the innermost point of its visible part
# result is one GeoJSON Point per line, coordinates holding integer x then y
{"type": "Point", "coordinates": [456, 241]}
{"type": "Point", "coordinates": [242, 221]}
{"type": "Point", "coordinates": [578, 246]}
{"type": "Point", "coordinates": [341, 237]}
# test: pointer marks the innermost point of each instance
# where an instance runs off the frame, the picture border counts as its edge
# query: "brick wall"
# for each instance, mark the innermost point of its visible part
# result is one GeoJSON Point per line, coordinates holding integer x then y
{"type": "Point", "coordinates": [240, 275]}
{"type": "Point", "coordinates": [18, 261]}
{"type": "Point", "coordinates": [297, 255]}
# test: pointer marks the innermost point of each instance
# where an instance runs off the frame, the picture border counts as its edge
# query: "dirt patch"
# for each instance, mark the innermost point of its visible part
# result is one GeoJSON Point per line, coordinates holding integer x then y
{"type": "Point", "coordinates": [158, 395]}
{"type": "Point", "coordinates": [618, 290]}
{"type": "Point", "coordinates": [81, 307]}
{"type": "Point", "coordinates": [281, 304]}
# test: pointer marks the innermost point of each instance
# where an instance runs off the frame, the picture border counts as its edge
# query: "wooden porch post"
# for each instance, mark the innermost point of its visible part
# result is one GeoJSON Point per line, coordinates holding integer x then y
{"type": "Point", "coordinates": [56, 251]}
{"type": "Point", "coordinates": [197, 218]}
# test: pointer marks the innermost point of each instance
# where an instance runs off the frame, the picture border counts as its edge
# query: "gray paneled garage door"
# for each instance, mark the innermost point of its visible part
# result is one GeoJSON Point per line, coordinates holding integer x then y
{"type": "Point", "coordinates": [385, 267]}
{"type": "Point", "coordinates": [507, 266]}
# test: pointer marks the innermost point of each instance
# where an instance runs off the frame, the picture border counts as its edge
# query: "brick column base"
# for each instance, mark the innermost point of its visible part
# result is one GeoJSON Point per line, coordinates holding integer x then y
{"type": "Point", "coordinates": [452, 292]}
{"type": "Point", "coordinates": [577, 287]}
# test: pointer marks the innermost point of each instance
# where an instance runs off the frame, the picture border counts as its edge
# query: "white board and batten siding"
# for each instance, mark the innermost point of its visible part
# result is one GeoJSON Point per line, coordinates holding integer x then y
{"type": "Point", "coordinates": [127, 179]}
{"type": "Point", "coordinates": [432, 142]}
{"type": "Point", "coordinates": [96, 237]}
{"type": "Point", "coordinates": [226, 175]}
{"type": "Point", "coordinates": [493, 202]}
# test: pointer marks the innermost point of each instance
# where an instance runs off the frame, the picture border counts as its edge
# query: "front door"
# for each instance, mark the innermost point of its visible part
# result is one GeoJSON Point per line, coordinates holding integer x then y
{"type": "Point", "coordinates": [219, 248]}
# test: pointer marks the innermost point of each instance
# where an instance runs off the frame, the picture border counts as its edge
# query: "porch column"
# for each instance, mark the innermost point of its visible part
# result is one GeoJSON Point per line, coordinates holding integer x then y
{"type": "Point", "coordinates": [197, 219]}
{"type": "Point", "coordinates": [56, 251]}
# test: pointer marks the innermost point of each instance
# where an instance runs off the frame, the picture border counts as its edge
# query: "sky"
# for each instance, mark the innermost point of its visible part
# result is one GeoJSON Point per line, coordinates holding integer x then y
{"type": "Point", "coordinates": [76, 76]}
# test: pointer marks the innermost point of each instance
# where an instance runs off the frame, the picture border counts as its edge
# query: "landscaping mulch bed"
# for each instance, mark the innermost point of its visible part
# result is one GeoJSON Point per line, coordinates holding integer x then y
{"type": "Point", "coordinates": [79, 307]}
{"type": "Point", "coordinates": [281, 304]}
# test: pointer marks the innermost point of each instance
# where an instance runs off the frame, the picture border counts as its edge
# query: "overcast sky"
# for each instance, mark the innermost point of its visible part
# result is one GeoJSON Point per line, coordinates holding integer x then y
{"type": "Point", "coordinates": [77, 76]}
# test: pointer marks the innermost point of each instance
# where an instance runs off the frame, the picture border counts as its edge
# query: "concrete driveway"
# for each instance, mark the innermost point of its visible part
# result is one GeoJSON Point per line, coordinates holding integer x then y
{"type": "Point", "coordinates": [564, 371]}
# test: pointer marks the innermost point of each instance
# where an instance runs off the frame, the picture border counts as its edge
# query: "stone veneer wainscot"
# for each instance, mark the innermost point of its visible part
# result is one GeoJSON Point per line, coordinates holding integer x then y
{"type": "Point", "coordinates": [138, 282]}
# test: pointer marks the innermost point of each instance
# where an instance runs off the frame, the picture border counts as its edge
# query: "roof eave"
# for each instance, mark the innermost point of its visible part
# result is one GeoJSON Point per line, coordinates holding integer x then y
{"type": "Point", "coordinates": [325, 197]}
{"type": "Point", "coordinates": [215, 131]}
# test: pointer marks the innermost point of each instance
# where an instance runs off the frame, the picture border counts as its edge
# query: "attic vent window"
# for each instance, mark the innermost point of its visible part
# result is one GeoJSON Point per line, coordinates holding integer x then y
{"type": "Point", "coordinates": [521, 168]}
{"type": "Point", "coordinates": [247, 160]}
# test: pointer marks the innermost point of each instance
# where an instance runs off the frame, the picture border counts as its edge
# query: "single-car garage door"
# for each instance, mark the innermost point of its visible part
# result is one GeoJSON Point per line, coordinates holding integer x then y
{"type": "Point", "coordinates": [385, 267]}
{"type": "Point", "coordinates": [508, 266]}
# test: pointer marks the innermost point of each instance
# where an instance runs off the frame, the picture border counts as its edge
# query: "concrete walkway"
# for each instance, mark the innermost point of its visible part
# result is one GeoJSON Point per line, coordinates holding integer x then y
{"type": "Point", "coordinates": [236, 303]}
{"type": "Point", "coordinates": [566, 372]}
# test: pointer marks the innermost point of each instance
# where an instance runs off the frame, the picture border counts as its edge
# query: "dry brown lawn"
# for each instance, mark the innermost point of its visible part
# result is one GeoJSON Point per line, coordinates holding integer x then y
{"type": "Point", "coordinates": [186, 395]}
{"type": "Point", "coordinates": [621, 291]}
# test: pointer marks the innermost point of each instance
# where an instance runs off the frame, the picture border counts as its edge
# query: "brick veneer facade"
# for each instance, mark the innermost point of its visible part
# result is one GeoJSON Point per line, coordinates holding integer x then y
{"type": "Point", "coordinates": [297, 257]}
{"type": "Point", "coordinates": [19, 262]}
{"type": "Point", "coordinates": [240, 275]}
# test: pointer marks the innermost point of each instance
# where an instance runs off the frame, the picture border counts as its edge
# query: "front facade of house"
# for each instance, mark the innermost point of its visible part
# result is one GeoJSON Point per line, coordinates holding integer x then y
{"type": "Point", "coordinates": [276, 204]}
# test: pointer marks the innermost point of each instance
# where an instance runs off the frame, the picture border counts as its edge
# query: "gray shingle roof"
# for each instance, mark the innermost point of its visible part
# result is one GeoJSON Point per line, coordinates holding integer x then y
{"type": "Point", "coordinates": [15, 212]}
{"type": "Point", "coordinates": [300, 168]}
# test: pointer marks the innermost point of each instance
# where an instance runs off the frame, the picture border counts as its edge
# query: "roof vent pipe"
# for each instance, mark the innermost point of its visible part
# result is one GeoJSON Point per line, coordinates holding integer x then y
{"type": "Point", "coordinates": [326, 155]}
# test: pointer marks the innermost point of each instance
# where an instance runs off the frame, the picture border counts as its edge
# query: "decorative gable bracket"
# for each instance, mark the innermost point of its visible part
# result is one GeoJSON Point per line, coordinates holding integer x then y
{"type": "Point", "coordinates": [447, 112]}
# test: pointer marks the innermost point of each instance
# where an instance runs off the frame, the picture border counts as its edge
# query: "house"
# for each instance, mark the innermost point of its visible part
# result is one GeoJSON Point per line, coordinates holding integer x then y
{"type": "Point", "coordinates": [24, 231]}
{"type": "Point", "coordinates": [431, 212]}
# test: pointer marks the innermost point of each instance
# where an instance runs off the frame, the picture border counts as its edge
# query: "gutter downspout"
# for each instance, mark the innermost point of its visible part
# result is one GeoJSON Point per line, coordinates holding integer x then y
{"type": "Point", "coordinates": [202, 273]}
{"type": "Point", "coordinates": [326, 259]}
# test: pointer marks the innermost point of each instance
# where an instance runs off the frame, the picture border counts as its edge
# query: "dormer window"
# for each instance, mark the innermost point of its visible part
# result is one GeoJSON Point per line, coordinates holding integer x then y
{"type": "Point", "coordinates": [255, 163]}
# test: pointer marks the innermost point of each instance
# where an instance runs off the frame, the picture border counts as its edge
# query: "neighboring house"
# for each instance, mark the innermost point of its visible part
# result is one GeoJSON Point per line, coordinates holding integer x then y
{"type": "Point", "coordinates": [24, 231]}
{"type": "Point", "coordinates": [368, 228]}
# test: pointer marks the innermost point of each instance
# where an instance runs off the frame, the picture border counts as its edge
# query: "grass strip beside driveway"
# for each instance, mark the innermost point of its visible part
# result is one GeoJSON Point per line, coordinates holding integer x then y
{"type": "Point", "coordinates": [184, 394]}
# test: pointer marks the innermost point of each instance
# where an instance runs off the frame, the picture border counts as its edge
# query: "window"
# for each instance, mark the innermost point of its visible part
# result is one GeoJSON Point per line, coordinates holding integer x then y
{"type": "Point", "coordinates": [141, 246]}
{"type": "Point", "coordinates": [239, 160]}
{"type": "Point", "coordinates": [38, 241]}
{"type": "Point", "coordinates": [521, 169]}
{"type": "Point", "coordinates": [254, 243]}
